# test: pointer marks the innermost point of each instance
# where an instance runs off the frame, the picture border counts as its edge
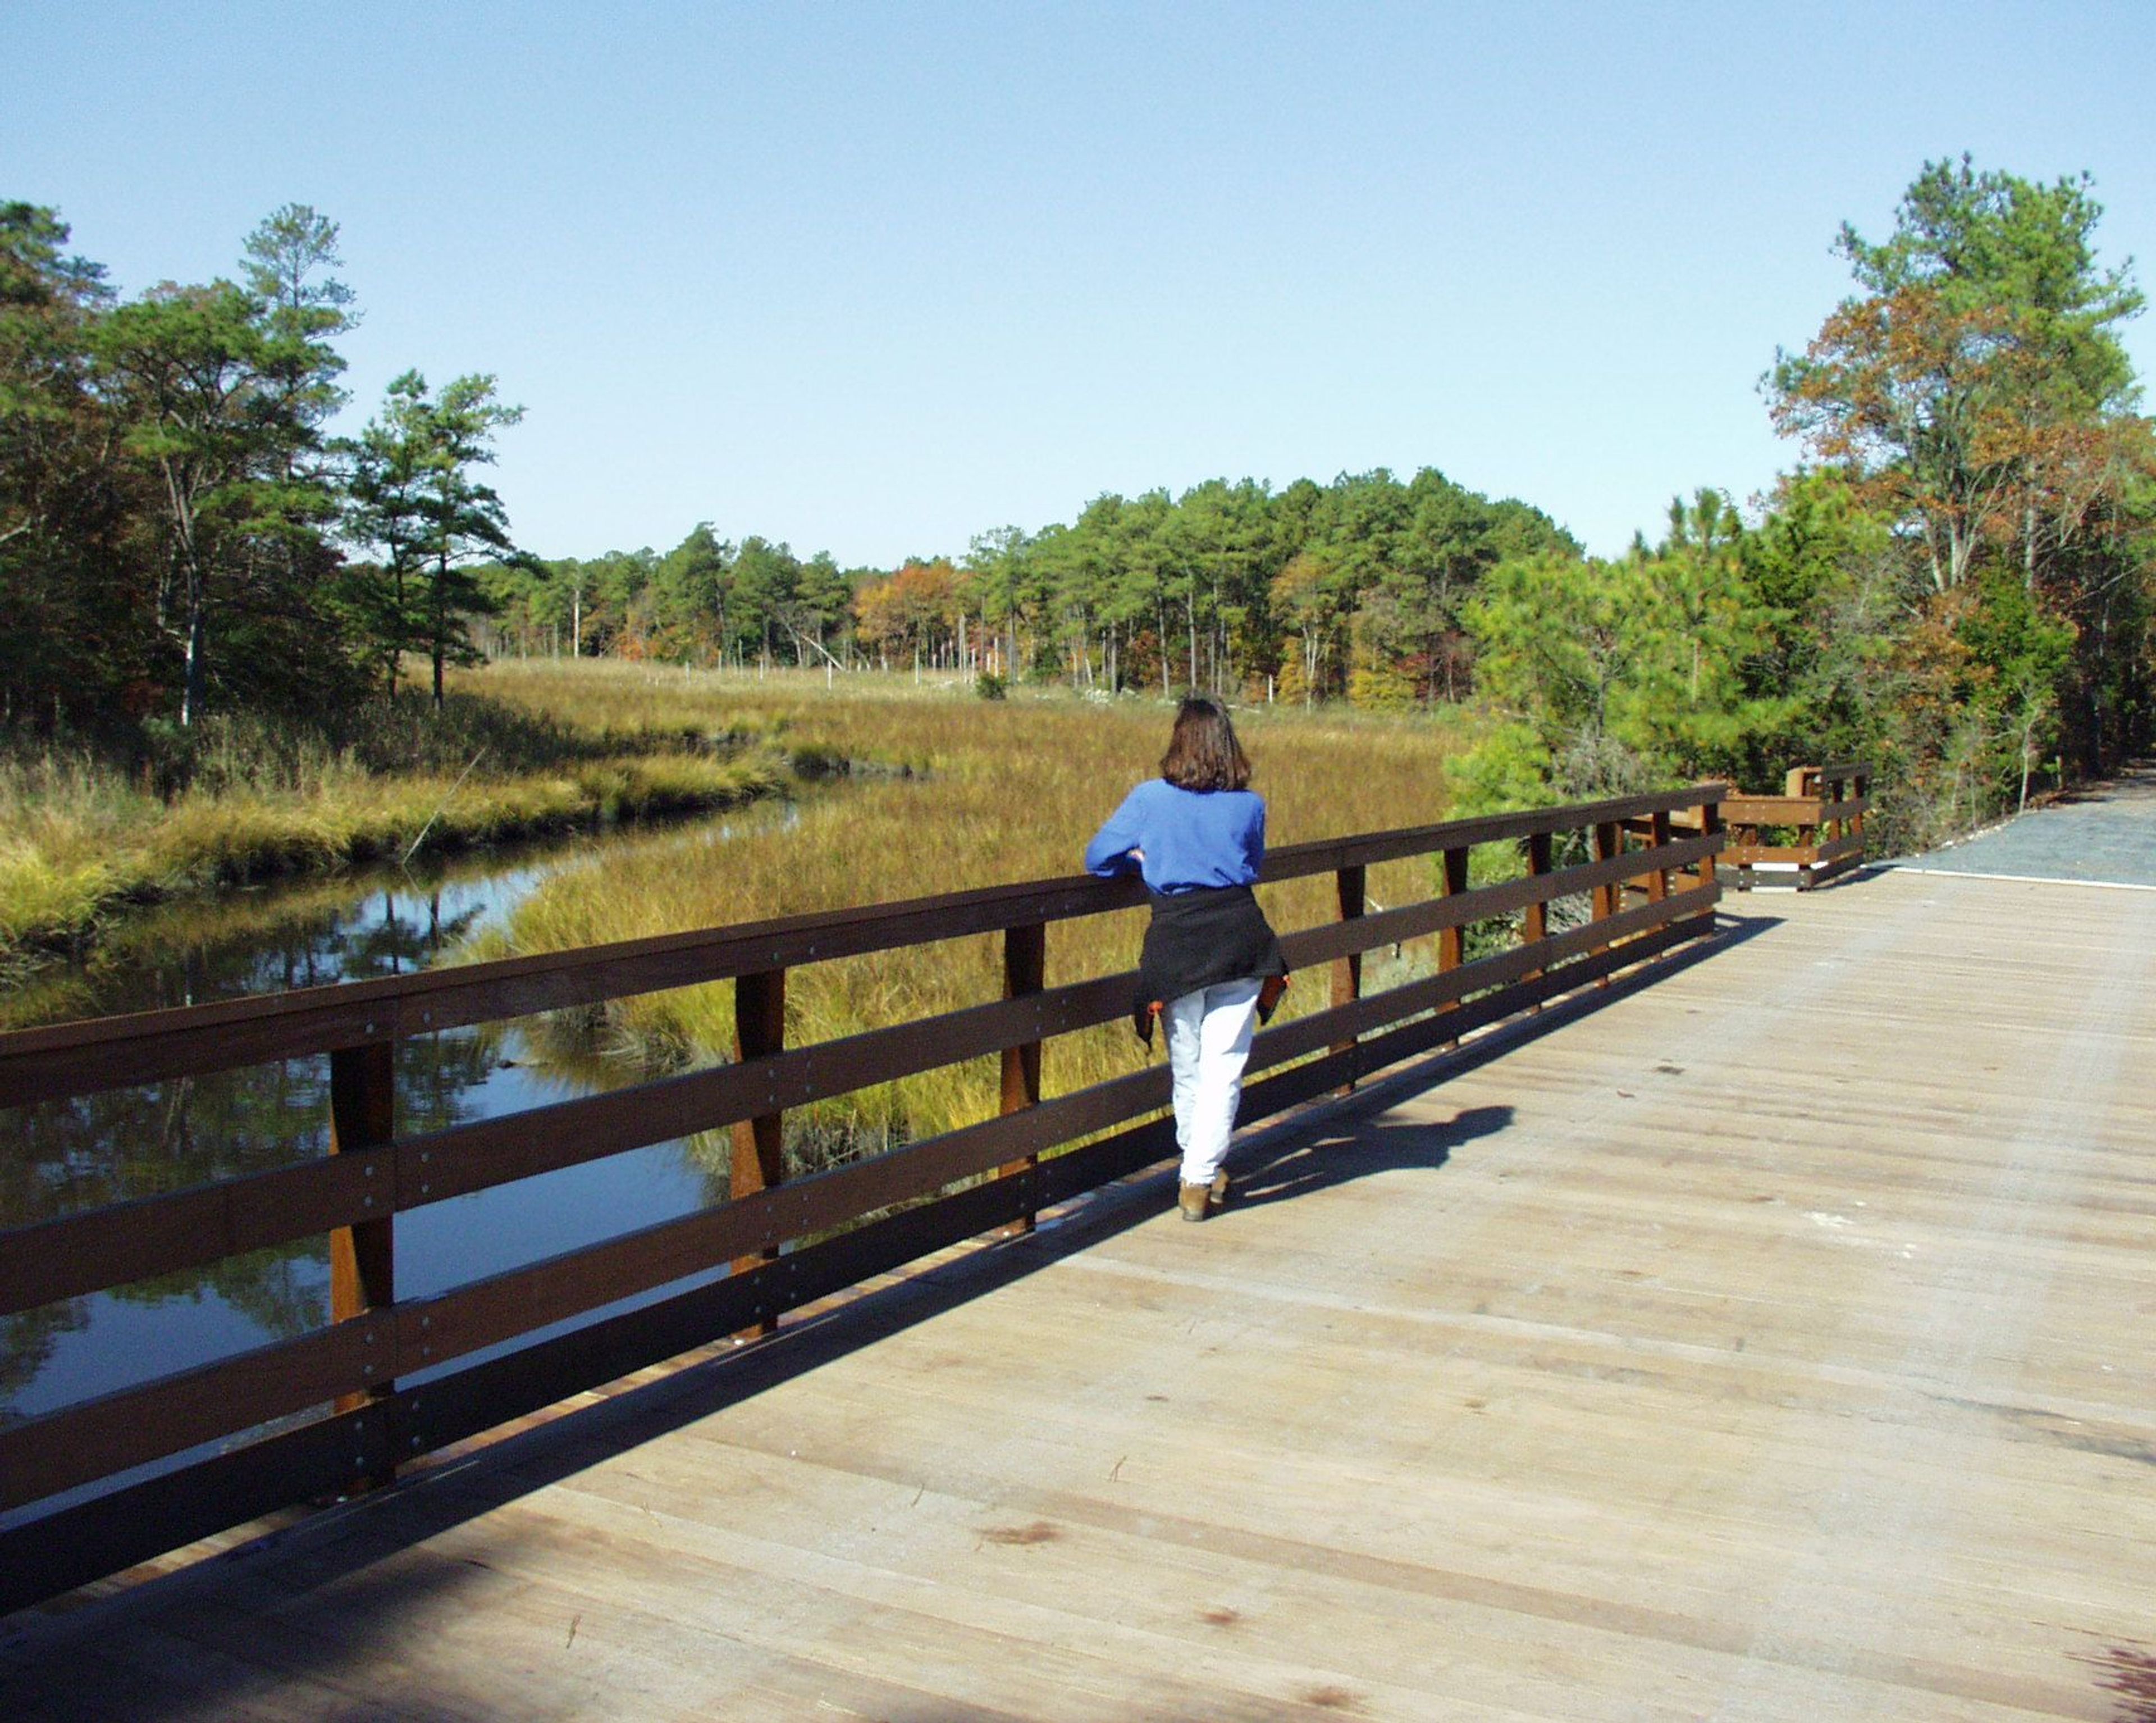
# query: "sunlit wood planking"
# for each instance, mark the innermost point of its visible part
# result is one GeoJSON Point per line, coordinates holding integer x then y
{"type": "Point", "coordinates": [1774, 1343]}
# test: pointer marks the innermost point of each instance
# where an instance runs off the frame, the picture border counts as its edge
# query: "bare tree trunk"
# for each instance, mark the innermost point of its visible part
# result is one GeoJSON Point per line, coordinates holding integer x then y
{"type": "Point", "coordinates": [441, 624]}
{"type": "Point", "coordinates": [192, 688]}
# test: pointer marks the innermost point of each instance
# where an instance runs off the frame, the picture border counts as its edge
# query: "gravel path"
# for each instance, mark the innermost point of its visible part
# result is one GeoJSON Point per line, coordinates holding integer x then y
{"type": "Point", "coordinates": [2106, 835]}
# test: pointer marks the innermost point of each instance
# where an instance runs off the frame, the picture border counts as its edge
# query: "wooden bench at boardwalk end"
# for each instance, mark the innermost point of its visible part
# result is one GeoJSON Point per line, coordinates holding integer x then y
{"type": "Point", "coordinates": [1580, 892]}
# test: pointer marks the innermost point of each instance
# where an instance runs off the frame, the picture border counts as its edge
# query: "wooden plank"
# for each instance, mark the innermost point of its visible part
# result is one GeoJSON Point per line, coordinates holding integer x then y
{"type": "Point", "coordinates": [481, 1396]}
{"type": "Point", "coordinates": [58, 1552]}
{"type": "Point", "coordinates": [83, 1058]}
{"type": "Point", "coordinates": [1297, 861]}
{"type": "Point", "coordinates": [42, 1456]}
{"type": "Point", "coordinates": [1840, 847]}
{"type": "Point", "coordinates": [502, 1307]}
{"type": "Point", "coordinates": [1749, 855]}
{"type": "Point", "coordinates": [1771, 809]}
{"type": "Point", "coordinates": [74, 1254]}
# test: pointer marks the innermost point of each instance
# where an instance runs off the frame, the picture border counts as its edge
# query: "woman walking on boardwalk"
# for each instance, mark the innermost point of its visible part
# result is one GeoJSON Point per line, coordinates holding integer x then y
{"type": "Point", "coordinates": [1197, 835]}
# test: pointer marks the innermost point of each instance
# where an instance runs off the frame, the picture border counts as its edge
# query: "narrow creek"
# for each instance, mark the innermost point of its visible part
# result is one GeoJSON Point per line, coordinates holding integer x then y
{"type": "Point", "coordinates": [61, 1158]}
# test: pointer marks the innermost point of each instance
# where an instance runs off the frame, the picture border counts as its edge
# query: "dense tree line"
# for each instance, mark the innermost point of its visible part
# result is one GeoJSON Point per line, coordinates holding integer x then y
{"type": "Point", "coordinates": [1314, 592]}
{"type": "Point", "coordinates": [1956, 580]}
{"type": "Point", "coordinates": [179, 533]}
{"type": "Point", "coordinates": [1959, 584]}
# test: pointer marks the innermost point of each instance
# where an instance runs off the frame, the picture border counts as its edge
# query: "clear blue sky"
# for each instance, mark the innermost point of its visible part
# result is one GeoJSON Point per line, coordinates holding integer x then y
{"type": "Point", "coordinates": [873, 277]}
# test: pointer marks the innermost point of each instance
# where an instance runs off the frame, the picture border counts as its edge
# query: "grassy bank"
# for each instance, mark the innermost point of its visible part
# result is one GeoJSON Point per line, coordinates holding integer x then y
{"type": "Point", "coordinates": [945, 791]}
{"type": "Point", "coordinates": [89, 836]}
{"type": "Point", "coordinates": [999, 791]}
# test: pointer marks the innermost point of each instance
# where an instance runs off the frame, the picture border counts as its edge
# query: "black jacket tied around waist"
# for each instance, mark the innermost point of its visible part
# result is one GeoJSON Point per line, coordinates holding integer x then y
{"type": "Point", "coordinates": [1200, 939]}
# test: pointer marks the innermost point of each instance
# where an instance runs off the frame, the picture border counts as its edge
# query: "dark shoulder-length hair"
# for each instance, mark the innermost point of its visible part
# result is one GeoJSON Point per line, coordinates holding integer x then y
{"type": "Point", "coordinates": [1203, 753]}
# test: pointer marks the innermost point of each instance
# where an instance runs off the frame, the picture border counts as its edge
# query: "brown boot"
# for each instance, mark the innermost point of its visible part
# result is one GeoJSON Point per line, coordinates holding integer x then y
{"type": "Point", "coordinates": [1193, 1199]}
{"type": "Point", "coordinates": [1220, 1188]}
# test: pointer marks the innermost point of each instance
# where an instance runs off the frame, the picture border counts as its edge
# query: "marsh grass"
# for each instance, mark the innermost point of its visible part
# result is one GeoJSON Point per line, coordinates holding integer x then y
{"type": "Point", "coordinates": [996, 791]}
{"type": "Point", "coordinates": [942, 791]}
{"type": "Point", "coordinates": [88, 835]}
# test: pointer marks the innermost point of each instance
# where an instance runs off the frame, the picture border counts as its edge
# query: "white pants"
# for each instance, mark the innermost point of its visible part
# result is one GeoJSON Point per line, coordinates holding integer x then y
{"type": "Point", "coordinates": [1208, 1041]}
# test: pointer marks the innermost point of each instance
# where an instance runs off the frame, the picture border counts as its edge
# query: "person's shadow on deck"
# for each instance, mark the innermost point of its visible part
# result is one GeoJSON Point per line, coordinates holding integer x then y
{"type": "Point", "coordinates": [1355, 1149]}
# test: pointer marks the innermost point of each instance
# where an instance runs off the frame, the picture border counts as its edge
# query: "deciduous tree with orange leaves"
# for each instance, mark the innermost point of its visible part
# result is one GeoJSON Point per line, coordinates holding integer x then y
{"type": "Point", "coordinates": [1976, 391]}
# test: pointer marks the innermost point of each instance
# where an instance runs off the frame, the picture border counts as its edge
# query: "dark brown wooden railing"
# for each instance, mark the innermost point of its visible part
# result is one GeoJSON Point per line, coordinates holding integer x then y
{"type": "Point", "coordinates": [332, 1411]}
{"type": "Point", "coordinates": [1825, 806]}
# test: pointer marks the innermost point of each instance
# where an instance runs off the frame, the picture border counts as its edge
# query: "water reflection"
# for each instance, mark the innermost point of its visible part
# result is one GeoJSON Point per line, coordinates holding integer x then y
{"type": "Point", "coordinates": [112, 1147]}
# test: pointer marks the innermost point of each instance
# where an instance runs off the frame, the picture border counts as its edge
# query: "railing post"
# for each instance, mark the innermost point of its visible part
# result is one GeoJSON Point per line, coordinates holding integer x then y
{"type": "Point", "coordinates": [1808, 782]}
{"type": "Point", "coordinates": [1710, 823]}
{"type": "Point", "coordinates": [1658, 837]}
{"type": "Point", "coordinates": [1351, 883]}
{"type": "Point", "coordinates": [759, 1147]}
{"type": "Point", "coordinates": [1025, 967]}
{"type": "Point", "coordinates": [1534, 919]}
{"type": "Point", "coordinates": [1608, 899]}
{"type": "Point", "coordinates": [1452, 941]}
{"type": "Point", "coordinates": [363, 1256]}
{"type": "Point", "coordinates": [1608, 845]}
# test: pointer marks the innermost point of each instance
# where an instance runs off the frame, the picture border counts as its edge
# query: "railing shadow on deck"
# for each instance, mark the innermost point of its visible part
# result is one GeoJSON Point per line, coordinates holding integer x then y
{"type": "Point", "coordinates": [344, 1549]}
{"type": "Point", "coordinates": [1651, 890]}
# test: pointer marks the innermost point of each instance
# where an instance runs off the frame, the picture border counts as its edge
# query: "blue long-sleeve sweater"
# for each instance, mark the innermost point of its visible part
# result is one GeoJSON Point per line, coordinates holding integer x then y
{"type": "Point", "coordinates": [1193, 840]}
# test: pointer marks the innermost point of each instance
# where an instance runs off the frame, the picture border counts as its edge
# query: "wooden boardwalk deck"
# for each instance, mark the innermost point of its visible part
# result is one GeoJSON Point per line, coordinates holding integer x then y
{"type": "Point", "coordinates": [1775, 1342]}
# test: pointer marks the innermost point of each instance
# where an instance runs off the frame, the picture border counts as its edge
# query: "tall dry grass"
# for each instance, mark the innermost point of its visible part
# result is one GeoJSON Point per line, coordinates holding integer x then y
{"type": "Point", "coordinates": [999, 791]}
{"type": "Point", "coordinates": [83, 837]}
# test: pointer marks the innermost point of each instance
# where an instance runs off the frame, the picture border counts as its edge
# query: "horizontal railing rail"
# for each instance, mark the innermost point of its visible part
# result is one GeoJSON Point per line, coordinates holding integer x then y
{"type": "Point", "coordinates": [1824, 805]}
{"type": "Point", "coordinates": [1643, 866]}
